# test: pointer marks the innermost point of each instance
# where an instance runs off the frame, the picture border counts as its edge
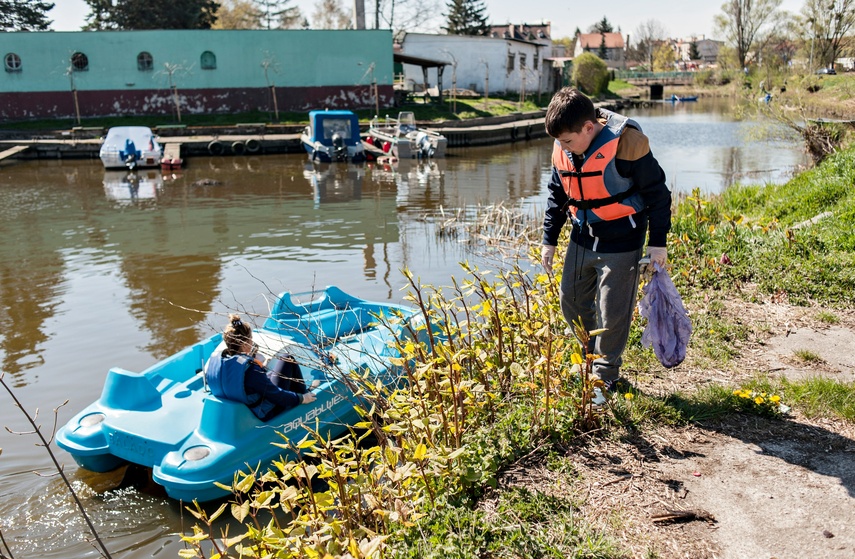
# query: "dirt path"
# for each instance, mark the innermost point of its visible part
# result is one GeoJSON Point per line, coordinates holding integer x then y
{"type": "Point", "coordinates": [754, 488]}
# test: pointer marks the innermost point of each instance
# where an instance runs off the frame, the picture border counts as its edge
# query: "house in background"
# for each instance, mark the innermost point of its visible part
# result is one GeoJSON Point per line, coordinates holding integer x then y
{"type": "Point", "coordinates": [106, 73]}
{"type": "Point", "coordinates": [708, 49]}
{"type": "Point", "coordinates": [532, 32]}
{"type": "Point", "coordinates": [615, 47]}
{"type": "Point", "coordinates": [478, 63]}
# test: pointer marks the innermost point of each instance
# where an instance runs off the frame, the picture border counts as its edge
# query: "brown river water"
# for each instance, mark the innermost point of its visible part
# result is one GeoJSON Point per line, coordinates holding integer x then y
{"type": "Point", "coordinates": [99, 271]}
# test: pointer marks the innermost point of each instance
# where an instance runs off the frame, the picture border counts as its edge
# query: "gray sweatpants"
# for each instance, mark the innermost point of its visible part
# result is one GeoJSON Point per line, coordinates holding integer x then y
{"type": "Point", "coordinates": [601, 288]}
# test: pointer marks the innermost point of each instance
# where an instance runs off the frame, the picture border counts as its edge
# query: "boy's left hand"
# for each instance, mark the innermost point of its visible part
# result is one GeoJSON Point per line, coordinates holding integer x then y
{"type": "Point", "coordinates": [658, 255]}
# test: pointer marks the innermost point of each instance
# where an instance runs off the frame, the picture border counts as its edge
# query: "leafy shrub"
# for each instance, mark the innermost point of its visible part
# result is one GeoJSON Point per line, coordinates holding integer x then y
{"type": "Point", "coordinates": [590, 74]}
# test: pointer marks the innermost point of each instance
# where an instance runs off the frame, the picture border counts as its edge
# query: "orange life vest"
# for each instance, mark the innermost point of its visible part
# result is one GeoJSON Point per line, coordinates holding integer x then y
{"type": "Point", "coordinates": [596, 191]}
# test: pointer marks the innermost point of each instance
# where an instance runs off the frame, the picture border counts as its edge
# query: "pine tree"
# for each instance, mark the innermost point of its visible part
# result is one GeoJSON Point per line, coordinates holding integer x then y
{"type": "Point", "coordinates": [466, 17]}
{"type": "Point", "coordinates": [602, 26]}
{"type": "Point", "coordinates": [693, 51]}
{"type": "Point", "coordinates": [602, 52]}
{"type": "Point", "coordinates": [24, 15]}
{"type": "Point", "coordinates": [152, 14]}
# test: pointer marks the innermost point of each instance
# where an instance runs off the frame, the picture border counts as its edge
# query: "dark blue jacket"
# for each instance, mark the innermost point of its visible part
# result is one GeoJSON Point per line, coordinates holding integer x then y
{"type": "Point", "coordinates": [241, 379]}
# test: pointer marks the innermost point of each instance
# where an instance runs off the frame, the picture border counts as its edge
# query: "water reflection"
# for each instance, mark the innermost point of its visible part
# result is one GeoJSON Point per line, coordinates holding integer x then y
{"type": "Point", "coordinates": [705, 145]}
{"type": "Point", "coordinates": [130, 187]}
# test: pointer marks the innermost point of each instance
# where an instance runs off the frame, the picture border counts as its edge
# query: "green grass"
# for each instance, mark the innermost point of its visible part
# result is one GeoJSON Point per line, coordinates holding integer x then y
{"type": "Point", "coordinates": [522, 523]}
{"type": "Point", "coordinates": [768, 239]}
{"type": "Point", "coordinates": [827, 317]}
{"type": "Point", "coordinates": [807, 356]}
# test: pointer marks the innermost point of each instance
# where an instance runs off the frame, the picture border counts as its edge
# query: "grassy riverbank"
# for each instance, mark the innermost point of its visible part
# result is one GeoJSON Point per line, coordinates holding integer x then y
{"type": "Point", "coordinates": [480, 455]}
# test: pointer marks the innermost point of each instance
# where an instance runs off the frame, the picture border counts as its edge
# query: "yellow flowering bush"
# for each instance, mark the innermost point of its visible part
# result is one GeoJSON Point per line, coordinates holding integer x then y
{"type": "Point", "coordinates": [762, 403]}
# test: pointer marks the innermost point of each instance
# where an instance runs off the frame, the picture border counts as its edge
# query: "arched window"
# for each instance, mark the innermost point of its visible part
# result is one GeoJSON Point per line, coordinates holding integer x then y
{"type": "Point", "coordinates": [145, 63]}
{"type": "Point", "coordinates": [79, 62]}
{"type": "Point", "coordinates": [209, 60]}
{"type": "Point", "coordinates": [12, 62]}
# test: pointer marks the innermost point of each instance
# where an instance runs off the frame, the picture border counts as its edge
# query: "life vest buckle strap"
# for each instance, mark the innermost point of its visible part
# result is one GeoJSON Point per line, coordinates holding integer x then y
{"type": "Point", "coordinates": [600, 202]}
{"type": "Point", "coordinates": [582, 174]}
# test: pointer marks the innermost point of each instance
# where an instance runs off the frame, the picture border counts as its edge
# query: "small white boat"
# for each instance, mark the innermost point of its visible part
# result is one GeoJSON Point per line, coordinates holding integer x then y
{"type": "Point", "coordinates": [401, 138]}
{"type": "Point", "coordinates": [130, 147]}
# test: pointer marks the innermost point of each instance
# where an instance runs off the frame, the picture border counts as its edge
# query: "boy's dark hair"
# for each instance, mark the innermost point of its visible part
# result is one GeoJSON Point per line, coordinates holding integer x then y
{"type": "Point", "coordinates": [568, 111]}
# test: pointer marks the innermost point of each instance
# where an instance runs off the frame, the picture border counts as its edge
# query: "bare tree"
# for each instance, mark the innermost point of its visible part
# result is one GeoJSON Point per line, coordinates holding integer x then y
{"type": "Point", "coordinates": [649, 34]}
{"type": "Point", "coordinates": [828, 21]}
{"type": "Point", "coordinates": [277, 14]}
{"type": "Point", "coordinates": [238, 14]}
{"type": "Point", "coordinates": [744, 21]}
{"type": "Point", "coordinates": [407, 15]}
{"type": "Point", "coordinates": [330, 14]}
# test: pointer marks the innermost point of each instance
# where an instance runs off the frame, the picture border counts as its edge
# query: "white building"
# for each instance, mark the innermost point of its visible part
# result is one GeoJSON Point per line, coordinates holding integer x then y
{"type": "Point", "coordinates": [495, 64]}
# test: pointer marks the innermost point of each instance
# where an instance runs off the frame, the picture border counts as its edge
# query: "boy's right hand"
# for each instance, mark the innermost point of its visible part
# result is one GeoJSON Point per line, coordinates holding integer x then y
{"type": "Point", "coordinates": [308, 398]}
{"type": "Point", "coordinates": [547, 257]}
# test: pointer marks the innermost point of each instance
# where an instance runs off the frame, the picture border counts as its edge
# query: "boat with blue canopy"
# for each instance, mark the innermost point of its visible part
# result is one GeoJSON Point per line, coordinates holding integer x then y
{"type": "Point", "coordinates": [166, 419]}
{"type": "Point", "coordinates": [333, 136]}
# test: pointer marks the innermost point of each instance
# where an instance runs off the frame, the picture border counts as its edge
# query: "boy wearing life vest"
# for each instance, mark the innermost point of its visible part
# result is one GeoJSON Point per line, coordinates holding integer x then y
{"type": "Point", "coordinates": [606, 180]}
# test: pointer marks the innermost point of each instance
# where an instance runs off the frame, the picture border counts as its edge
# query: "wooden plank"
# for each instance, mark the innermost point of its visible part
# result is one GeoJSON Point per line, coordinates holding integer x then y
{"type": "Point", "coordinates": [12, 151]}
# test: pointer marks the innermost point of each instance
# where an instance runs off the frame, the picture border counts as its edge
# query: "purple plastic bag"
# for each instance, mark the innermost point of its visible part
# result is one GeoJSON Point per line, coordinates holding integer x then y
{"type": "Point", "coordinates": [668, 326]}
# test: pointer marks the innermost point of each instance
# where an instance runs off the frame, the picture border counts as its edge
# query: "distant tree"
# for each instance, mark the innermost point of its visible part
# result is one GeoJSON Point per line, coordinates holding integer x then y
{"type": "Point", "coordinates": [602, 26]}
{"type": "Point", "coordinates": [603, 52]}
{"type": "Point", "coordinates": [100, 15]}
{"type": "Point", "coordinates": [829, 22]}
{"type": "Point", "coordinates": [744, 21]}
{"type": "Point", "coordinates": [330, 14]}
{"type": "Point", "coordinates": [277, 14]}
{"type": "Point", "coordinates": [466, 17]}
{"type": "Point", "coordinates": [24, 15]}
{"type": "Point", "coordinates": [151, 14]}
{"type": "Point", "coordinates": [590, 74]}
{"type": "Point", "coordinates": [648, 35]}
{"type": "Point", "coordinates": [663, 58]}
{"type": "Point", "coordinates": [238, 14]}
{"type": "Point", "coordinates": [693, 51]}
{"type": "Point", "coordinates": [577, 32]}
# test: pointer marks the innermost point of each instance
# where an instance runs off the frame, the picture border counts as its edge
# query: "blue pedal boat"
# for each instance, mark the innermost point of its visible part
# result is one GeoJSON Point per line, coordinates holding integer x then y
{"type": "Point", "coordinates": [333, 136]}
{"type": "Point", "coordinates": [164, 418]}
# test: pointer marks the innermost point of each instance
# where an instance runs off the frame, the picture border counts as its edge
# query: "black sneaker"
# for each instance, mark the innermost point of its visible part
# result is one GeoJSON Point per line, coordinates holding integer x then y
{"type": "Point", "coordinates": [619, 384]}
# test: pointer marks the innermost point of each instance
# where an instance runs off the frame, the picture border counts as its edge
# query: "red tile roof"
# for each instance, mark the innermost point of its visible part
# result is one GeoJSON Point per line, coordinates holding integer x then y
{"type": "Point", "coordinates": [594, 40]}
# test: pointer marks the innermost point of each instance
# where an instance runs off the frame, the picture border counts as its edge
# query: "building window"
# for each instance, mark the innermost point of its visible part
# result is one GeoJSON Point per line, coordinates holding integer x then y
{"type": "Point", "coordinates": [522, 61]}
{"type": "Point", "coordinates": [536, 61]}
{"type": "Point", "coordinates": [209, 60]}
{"type": "Point", "coordinates": [510, 61]}
{"type": "Point", "coordinates": [145, 63]}
{"type": "Point", "coordinates": [79, 62]}
{"type": "Point", "coordinates": [12, 62]}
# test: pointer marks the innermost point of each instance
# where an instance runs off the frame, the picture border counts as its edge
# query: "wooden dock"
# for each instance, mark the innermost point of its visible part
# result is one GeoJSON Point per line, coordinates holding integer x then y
{"type": "Point", "coordinates": [13, 151]}
{"type": "Point", "coordinates": [180, 142]}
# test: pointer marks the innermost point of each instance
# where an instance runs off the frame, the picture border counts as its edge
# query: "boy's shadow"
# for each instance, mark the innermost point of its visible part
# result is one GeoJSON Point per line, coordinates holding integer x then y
{"type": "Point", "coordinates": [809, 446]}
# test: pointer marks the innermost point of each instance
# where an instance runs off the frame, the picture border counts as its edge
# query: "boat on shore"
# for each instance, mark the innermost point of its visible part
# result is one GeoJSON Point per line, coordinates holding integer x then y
{"type": "Point", "coordinates": [166, 419]}
{"type": "Point", "coordinates": [333, 136]}
{"type": "Point", "coordinates": [130, 147]}
{"type": "Point", "coordinates": [401, 138]}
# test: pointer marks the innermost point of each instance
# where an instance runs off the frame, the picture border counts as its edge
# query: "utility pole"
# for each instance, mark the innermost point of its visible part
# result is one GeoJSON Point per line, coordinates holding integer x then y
{"type": "Point", "coordinates": [453, 81]}
{"type": "Point", "coordinates": [486, 83]}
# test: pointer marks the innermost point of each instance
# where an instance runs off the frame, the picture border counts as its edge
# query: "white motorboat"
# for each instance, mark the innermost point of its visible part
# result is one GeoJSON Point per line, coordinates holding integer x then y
{"type": "Point", "coordinates": [130, 147]}
{"type": "Point", "coordinates": [401, 138]}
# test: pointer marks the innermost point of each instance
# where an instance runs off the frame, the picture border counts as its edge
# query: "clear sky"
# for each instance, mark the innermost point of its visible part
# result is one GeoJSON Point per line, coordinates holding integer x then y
{"type": "Point", "coordinates": [681, 18]}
